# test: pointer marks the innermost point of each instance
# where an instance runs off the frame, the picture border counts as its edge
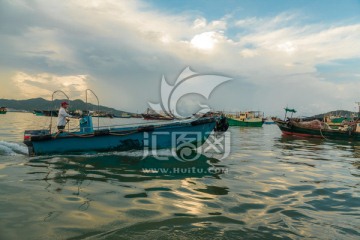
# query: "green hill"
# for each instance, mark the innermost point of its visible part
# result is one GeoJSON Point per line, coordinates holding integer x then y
{"type": "Point", "coordinates": [42, 104]}
{"type": "Point", "coordinates": [343, 113]}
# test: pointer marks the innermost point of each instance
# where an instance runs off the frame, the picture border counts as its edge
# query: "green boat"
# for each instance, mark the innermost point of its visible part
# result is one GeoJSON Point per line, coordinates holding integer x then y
{"type": "Point", "coordinates": [3, 110]}
{"type": "Point", "coordinates": [337, 121]}
{"type": "Point", "coordinates": [38, 113]}
{"type": "Point", "coordinates": [246, 119]}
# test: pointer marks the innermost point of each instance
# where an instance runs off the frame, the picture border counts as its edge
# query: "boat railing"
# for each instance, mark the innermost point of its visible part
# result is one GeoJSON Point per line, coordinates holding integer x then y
{"type": "Point", "coordinates": [98, 110]}
{"type": "Point", "coordinates": [157, 123]}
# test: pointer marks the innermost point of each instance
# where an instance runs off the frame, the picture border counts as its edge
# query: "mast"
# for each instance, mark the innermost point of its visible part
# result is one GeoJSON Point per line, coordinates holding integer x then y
{"type": "Point", "coordinates": [358, 103]}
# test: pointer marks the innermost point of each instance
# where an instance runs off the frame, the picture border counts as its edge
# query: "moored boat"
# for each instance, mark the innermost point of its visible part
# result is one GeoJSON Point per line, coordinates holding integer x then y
{"type": "Point", "coordinates": [123, 115]}
{"type": "Point", "coordinates": [349, 131]}
{"type": "Point", "coordinates": [3, 110]}
{"type": "Point", "coordinates": [49, 113]}
{"type": "Point", "coordinates": [156, 117]}
{"type": "Point", "coordinates": [246, 119]}
{"type": "Point", "coordinates": [336, 121]}
{"type": "Point", "coordinates": [102, 114]}
{"type": "Point", "coordinates": [38, 113]}
{"type": "Point", "coordinates": [152, 115]}
{"type": "Point", "coordinates": [269, 121]}
{"type": "Point", "coordinates": [317, 129]}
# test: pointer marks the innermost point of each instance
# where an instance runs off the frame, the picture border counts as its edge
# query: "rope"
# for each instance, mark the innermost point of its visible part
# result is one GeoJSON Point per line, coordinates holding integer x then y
{"type": "Point", "coordinates": [123, 134]}
{"type": "Point", "coordinates": [76, 135]}
{"type": "Point", "coordinates": [93, 135]}
{"type": "Point", "coordinates": [323, 135]}
{"type": "Point", "coordinates": [81, 135]}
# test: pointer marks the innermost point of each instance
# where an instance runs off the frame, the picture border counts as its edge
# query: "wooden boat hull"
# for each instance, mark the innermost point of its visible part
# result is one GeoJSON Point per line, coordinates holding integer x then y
{"type": "Point", "coordinates": [245, 123]}
{"type": "Point", "coordinates": [288, 128]}
{"type": "Point", "coordinates": [120, 139]}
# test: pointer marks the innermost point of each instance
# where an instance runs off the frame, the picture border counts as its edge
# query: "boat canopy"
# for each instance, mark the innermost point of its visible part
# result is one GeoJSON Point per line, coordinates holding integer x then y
{"type": "Point", "coordinates": [290, 110]}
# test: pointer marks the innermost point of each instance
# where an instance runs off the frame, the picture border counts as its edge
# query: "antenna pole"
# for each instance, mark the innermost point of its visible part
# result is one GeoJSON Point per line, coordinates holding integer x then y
{"type": "Point", "coordinates": [358, 103]}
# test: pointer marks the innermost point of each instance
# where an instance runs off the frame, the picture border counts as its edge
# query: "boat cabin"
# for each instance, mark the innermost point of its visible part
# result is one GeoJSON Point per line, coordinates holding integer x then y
{"type": "Point", "coordinates": [3, 110]}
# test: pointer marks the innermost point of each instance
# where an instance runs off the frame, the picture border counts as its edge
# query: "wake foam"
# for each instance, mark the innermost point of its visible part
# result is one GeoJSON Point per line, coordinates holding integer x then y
{"type": "Point", "coordinates": [11, 148]}
{"type": "Point", "coordinates": [131, 153]}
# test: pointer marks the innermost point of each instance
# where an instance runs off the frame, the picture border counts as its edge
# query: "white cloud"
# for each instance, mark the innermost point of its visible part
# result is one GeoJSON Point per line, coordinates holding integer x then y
{"type": "Point", "coordinates": [269, 23]}
{"type": "Point", "coordinates": [205, 41]}
{"type": "Point", "coordinates": [287, 47]}
{"type": "Point", "coordinates": [199, 23]}
{"type": "Point", "coordinates": [247, 22]}
{"type": "Point", "coordinates": [219, 24]}
{"type": "Point", "coordinates": [248, 53]}
{"type": "Point", "coordinates": [319, 46]}
{"type": "Point", "coordinates": [44, 84]}
{"type": "Point", "coordinates": [125, 46]}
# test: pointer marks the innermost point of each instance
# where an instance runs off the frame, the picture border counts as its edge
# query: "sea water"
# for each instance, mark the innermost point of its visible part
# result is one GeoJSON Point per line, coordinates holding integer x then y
{"type": "Point", "coordinates": [268, 187]}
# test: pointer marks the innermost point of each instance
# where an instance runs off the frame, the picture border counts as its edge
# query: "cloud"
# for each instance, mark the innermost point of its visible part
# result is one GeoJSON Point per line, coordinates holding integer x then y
{"type": "Point", "coordinates": [206, 40]}
{"type": "Point", "coordinates": [318, 43]}
{"type": "Point", "coordinates": [268, 23]}
{"type": "Point", "coordinates": [45, 84]}
{"type": "Point", "coordinates": [199, 23]}
{"type": "Point", "coordinates": [126, 46]}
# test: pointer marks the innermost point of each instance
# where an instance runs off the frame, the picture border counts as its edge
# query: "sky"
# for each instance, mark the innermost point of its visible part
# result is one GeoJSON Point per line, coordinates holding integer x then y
{"type": "Point", "coordinates": [300, 54]}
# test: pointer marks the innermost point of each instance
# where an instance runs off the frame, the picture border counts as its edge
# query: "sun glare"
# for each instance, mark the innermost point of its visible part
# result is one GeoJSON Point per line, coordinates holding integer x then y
{"type": "Point", "coordinates": [205, 41]}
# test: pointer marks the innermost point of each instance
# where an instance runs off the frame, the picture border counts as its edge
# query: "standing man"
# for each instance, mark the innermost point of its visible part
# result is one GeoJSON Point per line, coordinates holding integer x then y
{"type": "Point", "coordinates": [63, 116]}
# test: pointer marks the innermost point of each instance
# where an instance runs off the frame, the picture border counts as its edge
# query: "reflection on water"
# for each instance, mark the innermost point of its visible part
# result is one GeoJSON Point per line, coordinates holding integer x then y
{"type": "Point", "coordinates": [122, 168]}
{"type": "Point", "coordinates": [270, 187]}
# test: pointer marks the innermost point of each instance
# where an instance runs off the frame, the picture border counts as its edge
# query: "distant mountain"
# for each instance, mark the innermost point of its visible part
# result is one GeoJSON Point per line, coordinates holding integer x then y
{"type": "Point", "coordinates": [343, 113]}
{"type": "Point", "coordinates": [42, 104]}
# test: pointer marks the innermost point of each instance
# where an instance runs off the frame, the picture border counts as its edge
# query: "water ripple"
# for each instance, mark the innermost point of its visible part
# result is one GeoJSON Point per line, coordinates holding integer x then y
{"type": "Point", "coordinates": [271, 187]}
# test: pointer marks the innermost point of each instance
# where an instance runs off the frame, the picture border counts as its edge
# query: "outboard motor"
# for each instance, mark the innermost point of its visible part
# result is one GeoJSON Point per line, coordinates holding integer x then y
{"type": "Point", "coordinates": [222, 124]}
{"type": "Point", "coordinates": [86, 124]}
{"type": "Point", "coordinates": [36, 135]}
{"type": "Point", "coordinates": [31, 136]}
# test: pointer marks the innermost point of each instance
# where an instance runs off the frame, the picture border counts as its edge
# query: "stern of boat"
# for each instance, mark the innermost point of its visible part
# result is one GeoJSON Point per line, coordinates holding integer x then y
{"type": "Point", "coordinates": [35, 135]}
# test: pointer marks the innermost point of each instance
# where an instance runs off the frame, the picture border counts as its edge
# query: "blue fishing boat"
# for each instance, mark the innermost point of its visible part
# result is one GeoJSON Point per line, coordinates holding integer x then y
{"type": "Point", "coordinates": [88, 139]}
{"type": "Point", "coordinates": [175, 134]}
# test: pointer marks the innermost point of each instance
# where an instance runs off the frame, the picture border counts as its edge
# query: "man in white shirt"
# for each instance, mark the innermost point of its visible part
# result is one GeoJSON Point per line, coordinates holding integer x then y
{"type": "Point", "coordinates": [63, 116]}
